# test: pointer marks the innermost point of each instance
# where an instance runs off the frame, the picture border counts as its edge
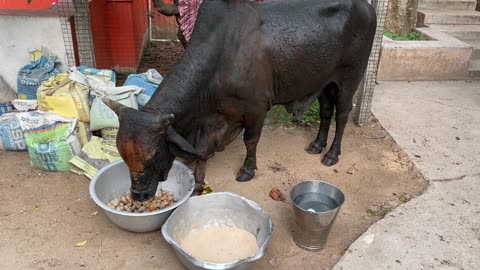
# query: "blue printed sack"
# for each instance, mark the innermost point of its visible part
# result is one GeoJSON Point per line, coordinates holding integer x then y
{"type": "Point", "coordinates": [42, 66]}
{"type": "Point", "coordinates": [149, 81]}
{"type": "Point", "coordinates": [6, 107]}
{"type": "Point", "coordinates": [11, 135]}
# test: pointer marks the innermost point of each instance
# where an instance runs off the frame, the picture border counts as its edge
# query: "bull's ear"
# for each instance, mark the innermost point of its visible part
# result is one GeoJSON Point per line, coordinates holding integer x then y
{"type": "Point", "coordinates": [164, 121]}
{"type": "Point", "coordinates": [115, 106]}
{"type": "Point", "coordinates": [180, 147]}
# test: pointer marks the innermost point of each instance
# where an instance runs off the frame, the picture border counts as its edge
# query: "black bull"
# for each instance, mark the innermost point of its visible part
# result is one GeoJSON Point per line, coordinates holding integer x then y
{"type": "Point", "coordinates": [243, 57]}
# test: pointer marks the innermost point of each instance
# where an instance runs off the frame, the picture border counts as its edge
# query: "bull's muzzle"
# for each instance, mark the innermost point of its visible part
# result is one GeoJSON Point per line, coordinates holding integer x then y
{"type": "Point", "coordinates": [142, 195]}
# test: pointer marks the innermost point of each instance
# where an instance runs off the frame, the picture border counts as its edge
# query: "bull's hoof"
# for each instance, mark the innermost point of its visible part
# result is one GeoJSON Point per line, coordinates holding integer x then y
{"type": "Point", "coordinates": [198, 189]}
{"type": "Point", "coordinates": [314, 148]}
{"type": "Point", "coordinates": [329, 161]}
{"type": "Point", "coordinates": [245, 174]}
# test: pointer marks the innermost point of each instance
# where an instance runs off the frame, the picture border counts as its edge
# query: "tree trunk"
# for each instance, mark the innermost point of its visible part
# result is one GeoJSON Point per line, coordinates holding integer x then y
{"type": "Point", "coordinates": [401, 16]}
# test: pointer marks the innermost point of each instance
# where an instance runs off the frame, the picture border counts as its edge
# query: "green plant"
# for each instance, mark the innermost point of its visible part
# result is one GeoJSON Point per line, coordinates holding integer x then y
{"type": "Point", "coordinates": [409, 36]}
{"type": "Point", "coordinates": [378, 212]}
{"type": "Point", "coordinates": [280, 116]}
{"type": "Point", "coordinates": [312, 116]}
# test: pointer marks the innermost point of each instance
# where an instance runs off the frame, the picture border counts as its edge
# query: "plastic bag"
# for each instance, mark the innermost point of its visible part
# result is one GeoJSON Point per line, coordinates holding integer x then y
{"type": "Point", "coordinates": [66, 97]}
{"type": "Point", "coordinates": [91, 159]}
{"type": "Point", "coordinates": [149, 81]}
{"type": "Point", "coordinates": [101, 76]}
{"type": "Point", "coordinates": [6, 94]}
{"type": "Point", "coordinates": [101, 116]}
{"type": "Point", "coordinates": [84, 133]}
{"type": "Point", "coordinates": [11, 135]}
{"type": "Point", "coordinates": [24, 105]}
{"type": "Point", "coordinates": [109, 143]}
{"type": "Point", "coordinates": [51, 140]}
{"type": "Point", "coordinates": [42, 66]}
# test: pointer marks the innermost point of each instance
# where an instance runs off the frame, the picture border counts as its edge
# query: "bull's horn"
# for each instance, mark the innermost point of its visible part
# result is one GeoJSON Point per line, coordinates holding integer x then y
{"type": "Point", "coordinates": [115, 106]}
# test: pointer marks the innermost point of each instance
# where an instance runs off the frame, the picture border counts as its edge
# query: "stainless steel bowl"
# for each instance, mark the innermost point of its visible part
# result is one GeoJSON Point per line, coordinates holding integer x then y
{"type": "Point", "coordinates": [217, 209]}
{"type": "Point", "coordinates": [113, 181]}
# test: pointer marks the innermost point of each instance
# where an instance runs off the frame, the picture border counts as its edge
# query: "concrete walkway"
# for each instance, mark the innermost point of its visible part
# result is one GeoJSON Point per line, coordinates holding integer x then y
{"type": "Point", "coordinates": [438, 125]}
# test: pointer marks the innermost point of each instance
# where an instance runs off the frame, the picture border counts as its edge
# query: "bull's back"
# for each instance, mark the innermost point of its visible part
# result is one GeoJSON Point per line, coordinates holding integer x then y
{"type": "Point", "coordinates": [311, 42]}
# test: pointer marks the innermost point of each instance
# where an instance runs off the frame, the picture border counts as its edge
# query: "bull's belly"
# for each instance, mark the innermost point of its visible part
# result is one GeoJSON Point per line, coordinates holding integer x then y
{"type": "Point", "coordinates": [298, 96]}
{"type": "Point", "coordinates": [299, 105]}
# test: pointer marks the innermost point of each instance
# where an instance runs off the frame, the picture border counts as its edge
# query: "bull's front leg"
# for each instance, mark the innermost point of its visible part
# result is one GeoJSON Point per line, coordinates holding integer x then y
{"type": "Point", "coordinates": [200, 168]}
{"type": "Point", "coordinates": [251, 136]}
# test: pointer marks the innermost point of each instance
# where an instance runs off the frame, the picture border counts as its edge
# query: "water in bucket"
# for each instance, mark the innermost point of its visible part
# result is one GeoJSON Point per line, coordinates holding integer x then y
{"type": "Point", "coordinates": [315, 202]}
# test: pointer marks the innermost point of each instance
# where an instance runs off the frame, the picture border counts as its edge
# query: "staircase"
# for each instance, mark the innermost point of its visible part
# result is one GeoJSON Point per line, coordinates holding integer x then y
{"type": "Point", "coordinates": [457, 18]}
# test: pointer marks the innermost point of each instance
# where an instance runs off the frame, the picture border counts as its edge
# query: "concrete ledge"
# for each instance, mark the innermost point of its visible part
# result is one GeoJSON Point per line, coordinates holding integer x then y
{"type": "Point", "coordinates": [440, 58]}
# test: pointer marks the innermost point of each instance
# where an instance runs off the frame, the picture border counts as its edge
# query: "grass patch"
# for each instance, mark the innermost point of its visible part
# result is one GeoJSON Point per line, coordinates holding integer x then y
{"type": "Point", "coordinates": [279, 116]}
{"type": "Point", "coordinates": [378, 212]}
{"type": "Point", "coordinates": [409, 36]}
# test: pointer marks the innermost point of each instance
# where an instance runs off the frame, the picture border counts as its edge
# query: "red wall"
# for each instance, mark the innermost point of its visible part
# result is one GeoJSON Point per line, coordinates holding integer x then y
{"type": "Point", "coordinates": [118, 29]}
{"type": "Point", "coordinates": [23, 4]}
{"type": "Point", "coordinates": [23, 8]}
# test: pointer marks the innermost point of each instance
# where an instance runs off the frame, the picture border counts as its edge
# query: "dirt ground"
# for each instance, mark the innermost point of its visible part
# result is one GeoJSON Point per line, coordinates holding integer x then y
{"type": "Point", "coordinates": [43, 215]}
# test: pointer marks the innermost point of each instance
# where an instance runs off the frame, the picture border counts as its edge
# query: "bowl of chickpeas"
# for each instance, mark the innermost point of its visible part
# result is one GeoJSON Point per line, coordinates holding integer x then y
{"type": "Point", "coordinates": [110, 188]}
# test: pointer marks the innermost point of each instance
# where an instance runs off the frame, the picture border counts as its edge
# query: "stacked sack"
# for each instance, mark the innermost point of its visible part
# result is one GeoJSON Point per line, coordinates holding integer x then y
{"type": "Point", "coordinates": [50, 138]}
{"type": "Point", "coordinates": [149, 81]}
{"type": "Point", "coordinates": [100, 151]}
{"type": "Point", "coordinates": [69, 98]}
{"type": "Point", "coordinates": [11, 136]}
{"type": "Point", "coordinates": [59, 135]}
{"type": "Point", "coordinates": [6, 96]}
{"type": "Point", "coordinates": [43, 65]}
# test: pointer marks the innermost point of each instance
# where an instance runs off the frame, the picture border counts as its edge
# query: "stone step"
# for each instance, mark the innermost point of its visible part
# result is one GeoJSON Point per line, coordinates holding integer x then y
{"type": "Point", "coordinates": [476, 48]}
{"type": "Point", "coordinates": [462, 32]}
{"type": "Point", "coordinates": [450, 16]}
{"type": "Point", "coordinates": [474, 69]}
{"type": "Point", "coordinates": [448, 4]}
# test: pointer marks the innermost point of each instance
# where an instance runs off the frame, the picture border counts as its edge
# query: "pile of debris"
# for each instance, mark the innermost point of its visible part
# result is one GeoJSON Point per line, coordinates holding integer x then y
{"type": "Point", "coordinates": [60, 118]}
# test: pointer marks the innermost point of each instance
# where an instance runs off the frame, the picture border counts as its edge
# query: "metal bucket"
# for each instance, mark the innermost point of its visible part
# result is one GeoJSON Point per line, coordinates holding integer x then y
{"type": "Point", "coordinates": [315, 206]}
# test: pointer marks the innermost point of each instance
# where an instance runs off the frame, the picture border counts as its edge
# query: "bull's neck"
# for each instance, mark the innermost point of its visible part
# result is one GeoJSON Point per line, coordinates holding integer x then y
{"type": "Point", "coordinates": [185, 89]}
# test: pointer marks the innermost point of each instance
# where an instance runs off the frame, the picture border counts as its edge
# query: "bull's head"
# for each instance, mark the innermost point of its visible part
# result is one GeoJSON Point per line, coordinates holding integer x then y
{"type": "Point", "coordinates": [148, 144]}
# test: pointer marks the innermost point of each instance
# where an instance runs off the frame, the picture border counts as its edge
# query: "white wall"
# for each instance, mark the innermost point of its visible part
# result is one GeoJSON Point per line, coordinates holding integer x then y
{"type": "Point", "coordinates": [18, 34]}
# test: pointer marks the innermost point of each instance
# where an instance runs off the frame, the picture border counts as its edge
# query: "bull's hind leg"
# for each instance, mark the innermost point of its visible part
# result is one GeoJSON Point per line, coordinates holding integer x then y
{"type": "Point", "coordinates": [327, 103]}
{"type": "Point", "coordinates": [343, 106]}
{"type": "Point", "coordinates": [251, 136]}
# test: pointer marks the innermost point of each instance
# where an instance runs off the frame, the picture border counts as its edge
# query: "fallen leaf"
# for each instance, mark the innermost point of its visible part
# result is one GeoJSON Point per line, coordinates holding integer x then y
{"type": "Point", "coordinates": [94, 213]}
{"type": "Point", "coordinates": [81, 244]}
{"type": "Point", "coordinates": [352, 169]}
{"type": "Point", "coordinates": [207, 189]}
{"type": "Point", "coordinates": [405, 198]}
{"type": "Point", "coordinates": [277, 195]}
{"type": "Point", "coordinates": [273, 260]}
